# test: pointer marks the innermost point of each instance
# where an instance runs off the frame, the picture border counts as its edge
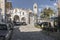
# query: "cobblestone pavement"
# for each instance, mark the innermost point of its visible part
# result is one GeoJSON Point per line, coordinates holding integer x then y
{"type": "Point", "coordinates": [30, 33]}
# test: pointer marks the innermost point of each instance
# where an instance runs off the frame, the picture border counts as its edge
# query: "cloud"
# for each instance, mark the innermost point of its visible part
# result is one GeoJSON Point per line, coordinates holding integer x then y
{"type": "Point", "coordinates": [39, 9]}
{"type": "Point", "coordinates": [55, 4]}
{"type": "Point", "coordinates": [47, 6]}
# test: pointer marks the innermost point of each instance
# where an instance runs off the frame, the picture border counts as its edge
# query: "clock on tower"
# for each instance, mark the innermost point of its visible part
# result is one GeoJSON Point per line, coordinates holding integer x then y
{"type": "Point", "coordinates": [35, 8]}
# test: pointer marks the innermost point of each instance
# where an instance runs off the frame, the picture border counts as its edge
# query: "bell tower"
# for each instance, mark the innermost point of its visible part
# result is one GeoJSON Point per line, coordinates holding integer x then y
{"type": "Point", "coordinates": [35, 11]}
{"type": "Point", "coordinates": [35, 8]}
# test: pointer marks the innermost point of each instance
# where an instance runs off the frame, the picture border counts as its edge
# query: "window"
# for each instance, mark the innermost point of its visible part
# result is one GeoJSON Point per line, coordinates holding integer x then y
{"type": "Point", "coordinates": [20, 13]}
{"type": "Point", "coordinates": [23, 13]}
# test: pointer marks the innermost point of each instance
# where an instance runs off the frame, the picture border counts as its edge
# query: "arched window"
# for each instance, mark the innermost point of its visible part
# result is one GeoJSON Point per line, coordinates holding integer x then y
{"type": "Point", "coordinates": [23, 13]}
{"type": "Point", "coordinates": [23, 19]}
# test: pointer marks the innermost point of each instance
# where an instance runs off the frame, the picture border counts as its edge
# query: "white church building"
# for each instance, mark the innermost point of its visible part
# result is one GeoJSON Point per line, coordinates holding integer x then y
{"type": "Point", "coordinates": [23, 15]}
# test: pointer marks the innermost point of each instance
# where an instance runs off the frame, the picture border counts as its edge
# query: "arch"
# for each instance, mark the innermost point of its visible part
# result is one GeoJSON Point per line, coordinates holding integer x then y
{"type": "Point", "coordinates": [16, 17]}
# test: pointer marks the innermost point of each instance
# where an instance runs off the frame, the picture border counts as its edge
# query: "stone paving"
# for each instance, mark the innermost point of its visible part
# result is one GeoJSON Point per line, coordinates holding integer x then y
{"type": "Point", "coordinates": [29, 33]}
{"type": "Point", "coordinates": [29, 28]}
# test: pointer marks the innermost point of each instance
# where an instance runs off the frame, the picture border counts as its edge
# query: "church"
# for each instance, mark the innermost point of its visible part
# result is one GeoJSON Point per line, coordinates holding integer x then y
{"type": "Point", "coordinates": [23, 15]}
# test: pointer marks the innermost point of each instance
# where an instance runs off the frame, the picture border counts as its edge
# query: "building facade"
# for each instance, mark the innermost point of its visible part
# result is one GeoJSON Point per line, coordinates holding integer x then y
{"type": "Point", "coordinates": [58, 5]}
{"type": "Point", "coordinates": [2, 8]}
{"type": "Point", "coordinates": [23, 15]}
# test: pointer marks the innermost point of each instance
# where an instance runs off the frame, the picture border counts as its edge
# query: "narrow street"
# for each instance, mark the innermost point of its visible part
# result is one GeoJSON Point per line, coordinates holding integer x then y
{"type": "Point", "coordinates": [29, 33]}
{"type": "Point", "coordinates": [43, 14]}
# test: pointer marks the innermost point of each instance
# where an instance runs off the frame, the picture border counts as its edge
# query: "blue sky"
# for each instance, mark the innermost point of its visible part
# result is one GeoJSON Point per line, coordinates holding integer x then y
{"type": "Point", "coordinates": [29, 3]}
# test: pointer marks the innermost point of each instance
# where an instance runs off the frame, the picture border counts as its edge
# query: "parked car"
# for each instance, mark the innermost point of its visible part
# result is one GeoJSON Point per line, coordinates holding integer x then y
{"type": "Point", "coordinates": [39, 24]}
{"type": "Point", "coordinates": [17, 23]}
{"type": "Point", "coordinates": [5, 31]}
{"type": "Point", "coordinates": [11, 24]}
{"type": "Point", "coordinates": [24, 23]}
{"type": "Point", "coordinates": [46, 24]}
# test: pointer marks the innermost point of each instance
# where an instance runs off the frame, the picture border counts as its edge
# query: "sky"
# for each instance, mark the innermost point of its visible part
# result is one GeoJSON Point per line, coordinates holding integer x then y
{"type": "Point", "coordinates": [29, 3]}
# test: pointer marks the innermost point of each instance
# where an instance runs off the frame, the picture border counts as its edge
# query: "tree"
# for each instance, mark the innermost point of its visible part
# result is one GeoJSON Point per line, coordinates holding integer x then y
{"type": "Point", "coordinates": [46, 13]}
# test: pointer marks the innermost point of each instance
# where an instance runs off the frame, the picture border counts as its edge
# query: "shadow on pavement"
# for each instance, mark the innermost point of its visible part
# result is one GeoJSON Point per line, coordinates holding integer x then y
{"type": "Point", "coordinates": [37, 35]}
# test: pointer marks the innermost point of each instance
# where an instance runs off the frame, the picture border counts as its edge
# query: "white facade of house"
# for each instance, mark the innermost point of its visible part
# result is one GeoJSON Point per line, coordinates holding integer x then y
{"type": "Point", "coordinates": [23, 14]}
